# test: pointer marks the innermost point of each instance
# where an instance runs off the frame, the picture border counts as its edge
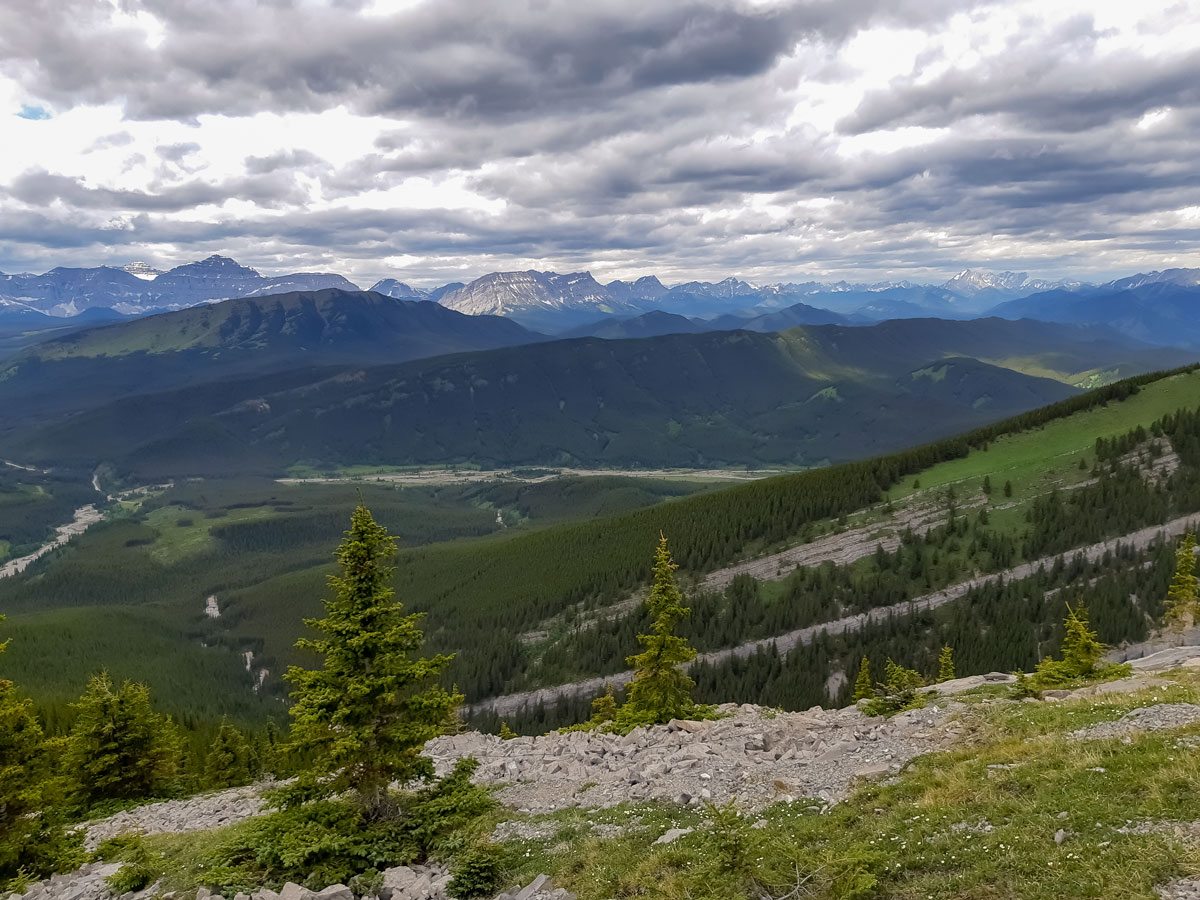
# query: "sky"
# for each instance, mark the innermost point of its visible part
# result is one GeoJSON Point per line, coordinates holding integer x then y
{"type": "Point", "coordinates": [692, 139]}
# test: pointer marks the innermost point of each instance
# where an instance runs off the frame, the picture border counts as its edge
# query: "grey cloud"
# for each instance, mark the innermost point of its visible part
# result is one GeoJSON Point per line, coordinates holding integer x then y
{"type": "Point", "coordinates": [40, 188]}
{"type": "Point", "coordinates": [452, 59]}
{"type": "Point", "coordinates": [1052, 80]}
{"type": "Point", "coordinates": [615, 134]}
{"type": "Point", "coordinates": [118, 139]}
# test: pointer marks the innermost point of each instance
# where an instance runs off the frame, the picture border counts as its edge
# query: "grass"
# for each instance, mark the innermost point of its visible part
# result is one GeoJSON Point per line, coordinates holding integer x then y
{"type": "Point", "coordinates": [183, 532]}
{"type": "Point", "coordinates": [1033, 460]}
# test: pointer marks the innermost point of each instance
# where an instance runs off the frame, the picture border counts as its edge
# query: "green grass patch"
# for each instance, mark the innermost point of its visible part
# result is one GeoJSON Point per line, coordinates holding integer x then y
{"type": "Point", "coordinates": [1036, 460]}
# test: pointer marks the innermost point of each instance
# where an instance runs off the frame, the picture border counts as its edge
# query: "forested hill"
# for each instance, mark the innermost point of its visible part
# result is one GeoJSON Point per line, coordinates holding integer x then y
{"type": "Point", "coordinates": [201, 344]}
{"type": "Point", "coordinates": [803, 397]}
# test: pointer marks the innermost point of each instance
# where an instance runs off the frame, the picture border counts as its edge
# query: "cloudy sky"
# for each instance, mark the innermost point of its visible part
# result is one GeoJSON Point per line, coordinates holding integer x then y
{"type": "Point", "coordinates": [437, 141]}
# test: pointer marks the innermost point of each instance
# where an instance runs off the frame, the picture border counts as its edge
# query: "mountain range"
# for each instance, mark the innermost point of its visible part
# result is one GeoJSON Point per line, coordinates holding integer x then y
{"type": "Point", "coordinates": [576, 303]}
{"type": "Point", "coordinates": [138, 289]}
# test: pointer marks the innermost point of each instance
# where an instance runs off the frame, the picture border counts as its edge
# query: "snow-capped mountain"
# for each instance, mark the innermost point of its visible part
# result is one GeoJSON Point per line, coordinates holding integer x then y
{"type": "Point", "coordinates": [970, 282]}
{"type": "Point", "coordinates": [648, 287]}
{"type": "Point", "coordinates": [730, 287]}
{"type": "Point", "coordinates": [137, 289]}
{"type": "Point", "coordinates": [506, 293]}
{"type": "Point", "coordinates": [302, 281]}
{"type": "Point", "coordinates": [142, 270]}
{"type": "Point", "coordinates": [390, 287]}
{"type": "Point", "coordinates": [1181, 277]}
{"type": "Point", "coordinates": [67, 292]}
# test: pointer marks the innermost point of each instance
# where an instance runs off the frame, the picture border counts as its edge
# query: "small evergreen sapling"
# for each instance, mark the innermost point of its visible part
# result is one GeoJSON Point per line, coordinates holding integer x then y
{"type": "Point", "coordinates": [364, 717]}
{"type": "Point", "coordinates": [228, 762]}
{"type": "Point", "coordinates": [1183, 596]}
{"type": "Point", "coordinates": [863, 688]}
{"type": "Point", "coordinates": [1081, 654]}
{"type": "Point", "coordinates": [1081, 650]}
{"type": "Point", "coordinates": [946, 664]}
{"type": "Point", "coordinates": [899, 691]}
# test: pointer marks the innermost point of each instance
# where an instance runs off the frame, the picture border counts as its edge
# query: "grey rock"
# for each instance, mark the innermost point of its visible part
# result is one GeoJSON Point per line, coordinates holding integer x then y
{"type": "Point", "coordinates": [334, 892]}
{"type": "Point", "coordinates": [542, 882]}
{"type": "Point", "coordinates": [671, 835]}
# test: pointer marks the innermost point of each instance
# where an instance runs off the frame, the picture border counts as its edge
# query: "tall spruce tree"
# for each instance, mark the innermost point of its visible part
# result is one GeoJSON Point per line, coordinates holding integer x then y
{"type": "Point", "coordinates": [1183, 595]}
{"type": "Point", "coordinates": [119, 748]}
{"type": "Point", "coordinates": [31, 840]}
{"type": "Point", "coordinates": [661, 690]}
{"type": "Point", "coordinates": [365, 715]}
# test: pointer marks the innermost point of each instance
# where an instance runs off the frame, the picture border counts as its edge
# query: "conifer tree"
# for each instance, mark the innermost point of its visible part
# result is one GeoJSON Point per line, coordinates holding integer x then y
{"type": "Point", "coordinates": [228, 761]}
{"type": "Point", "coordinates": [119, 747]}
{"type": "Point", "coordinates": [946, 664]}
{"type": "Point", "coordinates": [365, 715]}
{"type": "Point", "coordinates": [1080, 649]}
{"type": "Point", "coordinates": [604, 707]}
{"type": "Point", "coordinates": [1008, 489]}
{"type": "Point", "coordinates": [1183, 595]}
{"type": "Point", "coordinates": [661, 690]}
{"type": "Point", "coordinates": [863, 688]}
{"type": "Point", "coordinates": [30, 840]}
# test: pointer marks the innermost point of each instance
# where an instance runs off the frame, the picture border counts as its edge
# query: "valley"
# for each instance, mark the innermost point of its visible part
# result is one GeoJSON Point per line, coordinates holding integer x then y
{"type": "Point", "coordinates": [477, 546]}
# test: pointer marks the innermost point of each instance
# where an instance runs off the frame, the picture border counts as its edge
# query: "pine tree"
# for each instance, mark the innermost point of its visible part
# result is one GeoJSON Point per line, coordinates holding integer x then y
{"type": "Point", "coordinates": [228, 761]}
{"type": "Point", "coordinates": [506, 733]}
{"type": "Point", "coordinates": [1008, 489]}
{"type": "Point", "coordinates": [119, 747]}
{"type": "Point", "coordinates": [31, 841]}
{"type": "Point", "coordinates": [987, 484]}
{"type": "Point", "coordinates": [946, 664]}
{"type": "Point", "coordinates": [365, 715]}
{"type": "Point", "coordinates": [1183, 595]}
{"type": "Point", "coordinates": [863, 688]}
{"type": "Point", "coordinates": [661, 690]}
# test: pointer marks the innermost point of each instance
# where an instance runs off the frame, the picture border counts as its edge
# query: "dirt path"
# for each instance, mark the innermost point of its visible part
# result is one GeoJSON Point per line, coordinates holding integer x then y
{"type": "Point", "coordinates": [511, 703]}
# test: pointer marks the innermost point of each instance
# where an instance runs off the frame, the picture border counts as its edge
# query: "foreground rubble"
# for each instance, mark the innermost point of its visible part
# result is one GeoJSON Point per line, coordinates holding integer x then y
{"type": "Point", "coordinates": [753, 756]}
